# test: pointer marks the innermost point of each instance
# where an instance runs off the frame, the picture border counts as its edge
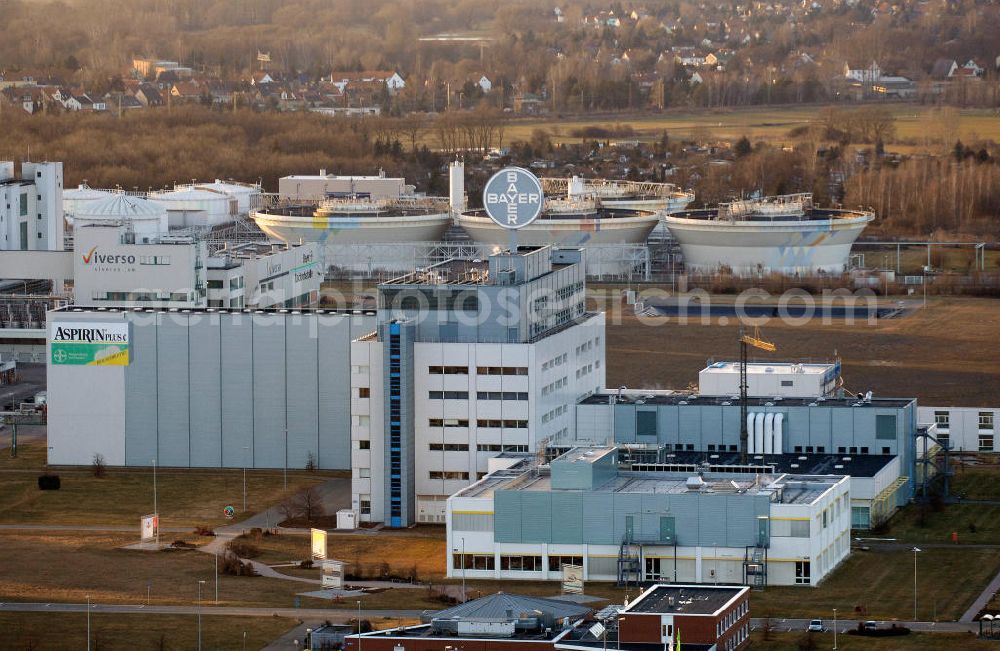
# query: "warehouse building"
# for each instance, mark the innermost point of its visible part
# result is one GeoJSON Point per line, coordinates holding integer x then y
{"type": "Point", "coordinates": [201, 388]}
{"type": "Point", "coordinates": [317, 187]}
{"type": "Point", "coordinates": [471, 358]}
{"type": "Point", "coordinates": [528, 521]}
{"type": "Point", "coordinates": [786, 379]}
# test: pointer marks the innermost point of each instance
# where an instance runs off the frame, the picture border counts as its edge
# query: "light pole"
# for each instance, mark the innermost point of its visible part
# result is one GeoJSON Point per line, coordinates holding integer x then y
{"type": "Point", "coordinates": [156, 510]}
{"type": "Point", "coordinates": [286, 459]}
{"type": "Point", "coordinates": [463, 568]}
{"type": "Point", "coordinates": [88, 622]}
{"type": "Point", "coordinates": [834, 629]}
{"type": "Point", "coordinates": [246, 451]}
{"type": "Point", "coordinates": [200, 583]}
{"type": "Point", "coordinates": [916, 550]}
{"type": "Point", "coordinates": [216, 578]}
{"type": "Point", "coordinates": [308, 641]}
{"type": "Point", "coordinates": [359, 625]}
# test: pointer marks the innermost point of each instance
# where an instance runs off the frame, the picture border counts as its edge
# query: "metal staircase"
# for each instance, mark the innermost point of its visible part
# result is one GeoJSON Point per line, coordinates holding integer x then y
{"type": "Point", "coordinates": [629, 563]}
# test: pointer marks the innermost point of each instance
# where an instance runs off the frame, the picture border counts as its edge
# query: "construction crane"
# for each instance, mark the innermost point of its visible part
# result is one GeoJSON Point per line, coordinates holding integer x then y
{"type": "Point", "coordinates": [745, 342]}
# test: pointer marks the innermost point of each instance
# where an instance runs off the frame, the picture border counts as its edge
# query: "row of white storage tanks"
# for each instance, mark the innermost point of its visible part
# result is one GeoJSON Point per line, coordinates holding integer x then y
{"type": "Point", "coordinates": [203, 204]}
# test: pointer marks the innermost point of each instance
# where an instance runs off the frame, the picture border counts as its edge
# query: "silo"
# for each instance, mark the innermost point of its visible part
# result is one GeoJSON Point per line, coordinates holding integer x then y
{"type": "Point", "coordinates": [147, 218]}
{"type": "Point", "coordinates": [190, 206]}
{"type": "Point", "coordinates": [77, 199]}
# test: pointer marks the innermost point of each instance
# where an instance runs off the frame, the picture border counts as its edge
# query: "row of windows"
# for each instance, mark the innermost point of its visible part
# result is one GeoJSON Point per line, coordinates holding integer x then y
{"type": "Point", "coordinates": [943, 419]}
{"type": "Point", "coordinates": [448, 395]}
{"type": "Point", "coordinates": [448, 422]}
{"type": "Point", "coordinates": [449, 447]}
{"type": "Point", "coordinates": [496, 447]}
{"type": "Point", "coordinates": [448, 474]}
{"type": "Point", "coordinates": [558, 360]}
{"type": "Point", "coordinates": [512, 424]}
{"type": "Point", "coordinates": [585, 370]}
{"type": "Point", "coordinates": [480, 370]}
{"type": "Point", "coordinates": [555, 413]}
{"type": "Point", "coordinates": [582, 348]}
{"type": "Point", "coordinates": [501, 395]}
{"type": "Point", "coordinates": [521, 563]}
{"type": "Point", "coordinates": [554, 386]}
{"type": "Point", "coordinates": [502, 370]}
{"type": "Point", "coordinates": [154, 259]}
{"type": "Point", "coordinates": [730, 620]}
{"type": "Point", "coordinates": [565, 292]}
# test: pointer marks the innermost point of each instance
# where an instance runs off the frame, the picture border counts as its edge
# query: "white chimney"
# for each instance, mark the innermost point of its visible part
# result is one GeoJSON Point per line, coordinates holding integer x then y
{"type": "Point", "coordinates": [456, 186]}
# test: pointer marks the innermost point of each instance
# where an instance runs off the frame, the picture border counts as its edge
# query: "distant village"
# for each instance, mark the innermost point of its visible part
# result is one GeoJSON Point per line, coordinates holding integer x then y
{"type": "Point", "coordinates": [626, 59]}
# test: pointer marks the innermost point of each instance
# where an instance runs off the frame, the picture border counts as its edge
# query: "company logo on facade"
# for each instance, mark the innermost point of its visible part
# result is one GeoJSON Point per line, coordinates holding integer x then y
{"type": "Point", "coordinates": [93, 257]}
{"type": "Point", "coordinates": [513, 197]}
{"type": "Point", "coordinates": [89, 343]}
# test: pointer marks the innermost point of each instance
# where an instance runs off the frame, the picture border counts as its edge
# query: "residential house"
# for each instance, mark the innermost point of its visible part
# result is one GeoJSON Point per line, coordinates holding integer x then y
{"type": "Point", "coordinates": [149, 95]}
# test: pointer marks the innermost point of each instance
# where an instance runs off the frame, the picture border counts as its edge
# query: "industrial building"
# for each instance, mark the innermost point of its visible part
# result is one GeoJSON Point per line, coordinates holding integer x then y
{"type": "Point", "coordinates": [786, 379]}
{"type": "Point", "coordinates": [718, 526]}
{"type": "Point", "coordinates": [201, 387]}
{"type": "Point", "coordinates": [963, 429]}
{"type": "Point", "coordinates": [470, 358]}
{"type": "Point", "coordinates": [694, 617]}
{"type": "Point", "coordinates": [317, 187]}
{"type": "Point", "coordinates": [31, 212]}
{"type": "Point", "coordinates": [116, 267]}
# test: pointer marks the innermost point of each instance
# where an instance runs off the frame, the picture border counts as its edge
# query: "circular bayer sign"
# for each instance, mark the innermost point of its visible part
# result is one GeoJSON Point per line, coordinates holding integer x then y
{"type": "Point", "coordinates": [513, 197]}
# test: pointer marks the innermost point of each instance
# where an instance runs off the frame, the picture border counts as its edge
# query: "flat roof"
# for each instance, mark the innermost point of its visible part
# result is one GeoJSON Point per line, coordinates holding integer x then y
{"type": "Point", "coordinates": [759, 401]}
{"type": "Point", "coordinates": [684, 599]}
{"type": "Point", "coordinates": [761, 368]}
{"type": "Point", "coordinates": [855, 465]}
{"type": "Point", "coordinates": [585, 454]}
{"type": "Point", "coordinates": [69, 309]}
{"type": "Point", "coordinates": [450, 272]}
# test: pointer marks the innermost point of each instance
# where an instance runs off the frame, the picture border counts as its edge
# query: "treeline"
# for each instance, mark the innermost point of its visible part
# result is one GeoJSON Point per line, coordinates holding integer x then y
{"type": "Point", "coordinates": [147, 149]}
{"type": "Point", "coordinates": [930, 194]}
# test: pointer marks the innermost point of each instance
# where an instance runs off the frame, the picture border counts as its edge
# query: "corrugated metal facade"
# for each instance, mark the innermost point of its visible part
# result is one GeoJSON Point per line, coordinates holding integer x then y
{"type": "Point", "coordinates": [222, 389]}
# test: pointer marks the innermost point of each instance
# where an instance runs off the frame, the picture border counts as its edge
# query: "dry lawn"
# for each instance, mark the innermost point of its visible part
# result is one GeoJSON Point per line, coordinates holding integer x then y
{"type": "Point", "coordinates": [945, 354]}
{"type": "Point", "coordinates": [110, 632]}
{"type": "Point", "coordinates": [186, 497]}
{"type": "Point", "coordinates": [68, 567]}
{"type": "Point", "coordinates": [912, 642]}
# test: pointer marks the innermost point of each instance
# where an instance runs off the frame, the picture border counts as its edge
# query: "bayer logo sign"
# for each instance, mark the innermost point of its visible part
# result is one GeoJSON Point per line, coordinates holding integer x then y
{"type": "Point", "coordinates": [513, 197]}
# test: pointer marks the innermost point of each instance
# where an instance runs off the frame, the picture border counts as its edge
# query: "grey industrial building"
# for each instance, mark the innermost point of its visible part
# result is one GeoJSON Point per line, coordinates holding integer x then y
{"type": "Point", "coordinates": [209, 388]}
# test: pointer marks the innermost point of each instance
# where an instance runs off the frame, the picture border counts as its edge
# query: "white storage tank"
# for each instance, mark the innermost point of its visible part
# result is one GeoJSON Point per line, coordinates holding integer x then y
{"type": "Point", "coordinates": [146, 217]}
{"type": "Point", "coordinates": [242, 196]}
{"type": "Point", "coordinates": [76, 199]}
{"type": "Point", "coordinates": [190, 206]}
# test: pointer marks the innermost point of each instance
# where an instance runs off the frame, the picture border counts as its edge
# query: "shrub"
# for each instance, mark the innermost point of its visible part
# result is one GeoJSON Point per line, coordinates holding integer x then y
{"type": "Point", "coordinates": [97, 466]}
{"type": "Point", "coordinates": [242, 548]}
{"type": "Point", "coordinates": [231, 565]}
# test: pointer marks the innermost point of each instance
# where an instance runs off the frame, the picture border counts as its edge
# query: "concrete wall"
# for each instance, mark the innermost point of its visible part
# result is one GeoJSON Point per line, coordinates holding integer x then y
{"type": "Point", "coordinates": [211, 389]}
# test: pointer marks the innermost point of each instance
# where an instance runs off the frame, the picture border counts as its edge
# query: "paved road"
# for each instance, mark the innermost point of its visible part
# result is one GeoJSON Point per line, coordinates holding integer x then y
{"type": "Point", "coordinates": [333, 614]}
{"type": "Point", "coordinates": [981, 601]}
{"type": "Point", "coordinates": [844, 625]}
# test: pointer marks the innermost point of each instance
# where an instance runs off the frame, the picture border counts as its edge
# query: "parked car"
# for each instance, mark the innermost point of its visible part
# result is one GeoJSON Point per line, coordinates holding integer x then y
{"type": "Point", "coordinates": [816, 625]}
{"type": "Point", "coordinates": [870, 625]}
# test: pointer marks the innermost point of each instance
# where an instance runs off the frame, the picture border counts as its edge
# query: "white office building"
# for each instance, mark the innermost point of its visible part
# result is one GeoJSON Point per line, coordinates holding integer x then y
{"type": "Point", "coordinates": [470, 359]}
{"type": "Point", "coordinates": [965, 429]}
{"type": "Point", "coordinates": [31, 210]}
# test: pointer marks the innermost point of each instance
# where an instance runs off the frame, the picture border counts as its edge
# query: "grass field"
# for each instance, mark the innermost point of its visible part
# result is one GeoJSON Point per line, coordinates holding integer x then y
{"type": "Point", "coordinates": [56, 631]}
{"type": "Point", "coordinates": [772, 124]}
{"type": "Point", "coordinates": [912, 642]}
{"type": "Point", "coordinates": [944, 354]}
{"type": "Point", "coordinates": [879, 585]}
{"type": "Point", "coordinates": [185, 497]}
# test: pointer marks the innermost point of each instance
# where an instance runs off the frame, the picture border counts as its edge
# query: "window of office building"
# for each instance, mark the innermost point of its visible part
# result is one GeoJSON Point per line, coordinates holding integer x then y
{"type": "Point", "coordinates": [942, 419]}
{"type": "Point", "coordinates": [985, 442]}
{"type": "Point", "coordinates": [365, 505]}
{"type": "Point", "coordinates": [448, 422]}
{"type": "Point", "coordinates": [448, 474]}
{"type": "Point", "coordinates": [449, 447]}
{"type": "Point", "coordinates": [802, 571]}
{"type": "Point", "coordinates": [986, 420]}
{"type": "Point", "coordinates": [521, 563]}
{"type": "Point", "coordinates": [473, 561]}
{"type": "Point", "coordinates": [556, 562]}
{"type": "Point", "coordinates": [364, 392]}
{"type": "Point", "coordinates": [885, 426]}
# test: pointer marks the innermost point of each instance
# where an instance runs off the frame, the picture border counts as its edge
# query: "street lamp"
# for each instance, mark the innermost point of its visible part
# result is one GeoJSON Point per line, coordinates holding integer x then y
{"type": "Point", "coordinates": [463, 569]}
{"type": "Point", "coordinates": [916, 550]}
{"type": "Point", "coordinates": [88, 622]}
{"type": "Point", "coordinates": [308, 640]}
{"type": "Point", "coordinates": [359, 625]}
{"type": "Point", "coordinates": [246, 451]}
{"type": "Point", "coordinates": [834, 629]}
{"type": "Point", "coordinates": [200, 583]}
{"type": "Point", "coordinates": [156, 510]}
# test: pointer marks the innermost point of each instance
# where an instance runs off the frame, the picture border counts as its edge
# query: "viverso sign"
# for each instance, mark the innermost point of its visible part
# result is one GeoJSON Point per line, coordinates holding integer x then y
{"type": "Point", "coordinates": [513, 197]}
